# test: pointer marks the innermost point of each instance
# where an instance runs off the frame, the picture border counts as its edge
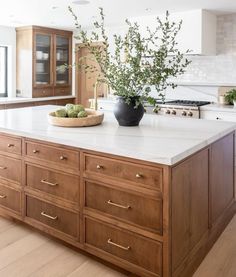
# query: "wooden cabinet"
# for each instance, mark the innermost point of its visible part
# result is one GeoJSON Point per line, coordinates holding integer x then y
{"type": "Point", "coordinates": [150, 219]}
{"type": "Point", "coordinates": [41, 53]}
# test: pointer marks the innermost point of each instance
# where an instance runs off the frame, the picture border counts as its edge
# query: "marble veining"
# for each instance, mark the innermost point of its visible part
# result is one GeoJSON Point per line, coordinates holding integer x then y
{"type": "Point", "coordinates": [158, 139]}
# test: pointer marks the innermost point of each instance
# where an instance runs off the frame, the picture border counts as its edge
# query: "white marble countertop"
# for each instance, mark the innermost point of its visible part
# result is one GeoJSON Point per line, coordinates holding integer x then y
{"type": "Point", "coordinates": [219, 108]}
{"type": "Point", "coordinates": [14, 100]}
{"type": "Point", "coordinates": [158, 139]}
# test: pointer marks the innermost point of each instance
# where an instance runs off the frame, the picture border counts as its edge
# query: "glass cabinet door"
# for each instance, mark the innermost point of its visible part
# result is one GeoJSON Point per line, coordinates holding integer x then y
{"type": "Point", "coordinates": [62, 58]}
{"type": "Point", "coordinates": [43, 45]}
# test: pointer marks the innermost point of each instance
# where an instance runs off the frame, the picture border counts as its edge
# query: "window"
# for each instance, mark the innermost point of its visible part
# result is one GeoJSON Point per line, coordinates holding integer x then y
{"type": "Point", "coordinates": [3, 71]}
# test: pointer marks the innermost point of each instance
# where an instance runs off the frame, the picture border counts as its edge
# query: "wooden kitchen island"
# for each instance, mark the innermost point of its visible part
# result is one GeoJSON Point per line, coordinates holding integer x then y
{"type": "Point", "coordinates": [150, 199]}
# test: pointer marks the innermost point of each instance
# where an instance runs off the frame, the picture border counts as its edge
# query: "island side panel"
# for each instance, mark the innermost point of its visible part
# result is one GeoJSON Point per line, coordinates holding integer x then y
{"type": "Point", "coordinates": [189, 207]}
{"type": "Point", "coordinates": [221, 177]}
{"type": "Point", "coordinates": [202, 203]}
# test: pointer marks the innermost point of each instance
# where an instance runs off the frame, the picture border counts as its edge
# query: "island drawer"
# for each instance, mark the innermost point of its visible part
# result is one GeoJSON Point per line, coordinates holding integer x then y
{"type": "Point", "coordinates": [61, 156]}
{"type": "Point", "coordinates": [53, 216]}
{"type": "Point", "coordinates": [126, 245]}
{"type": "Point", "coordinates": [58, 184]}
{"type": "Point", "coordinates": [10, 144]}
{"type": "Point", "coordinates": [133, 208]}
{"type": "Point", "coordinates": [10, 168]}
{"type": "Point", "coordinates": [125, 171]}
{"type": "Point", "coordinates": [10, 198]}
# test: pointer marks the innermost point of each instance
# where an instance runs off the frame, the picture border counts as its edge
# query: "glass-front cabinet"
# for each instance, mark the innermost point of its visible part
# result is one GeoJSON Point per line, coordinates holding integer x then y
{"type": "Point", "coordinates": [43, 61]}
{"type": "Point", "coordinates": [62, 59]}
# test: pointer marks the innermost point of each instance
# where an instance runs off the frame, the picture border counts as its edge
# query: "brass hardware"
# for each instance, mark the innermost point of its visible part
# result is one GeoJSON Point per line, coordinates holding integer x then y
{"type": "Point", "coordinates": [44, 91]}
{"type": "Point", "coordinates": [48, 183]}
{"type": "Point", "coordinates": [117, 205]}
{"type": "Point", "coordinates": [62, 158]}
{"type": "Point", "coordinates": [3, 196]}
{"type": "Point", "coordinates": [10, 145]}
{"type": "Point", "coordinates": [3, 167]}
{"type": "Point", "coordinates": [138, 175]}
{"type": "Point", "coordinates": [94, 103]}
{"type": "Point", "coordinates": [35, 151]}
{"type": "Point", "coordinates": [48, 216]}
{"type": "Point", "coordinates": [99, 166]}
{"type": "Point", "coordinates": [109, 241]}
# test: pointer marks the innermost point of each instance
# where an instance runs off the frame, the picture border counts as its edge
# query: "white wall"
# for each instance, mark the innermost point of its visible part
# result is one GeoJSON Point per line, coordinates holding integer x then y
{"type": "Point", "coordinates": [8, 38]}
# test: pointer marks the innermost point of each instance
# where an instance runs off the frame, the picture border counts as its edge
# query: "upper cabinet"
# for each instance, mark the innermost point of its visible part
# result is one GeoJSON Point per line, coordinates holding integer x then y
{"type": "Point", "coordinates": [41, 56]}
{"type": "Point", "coordinates": [198, 32]}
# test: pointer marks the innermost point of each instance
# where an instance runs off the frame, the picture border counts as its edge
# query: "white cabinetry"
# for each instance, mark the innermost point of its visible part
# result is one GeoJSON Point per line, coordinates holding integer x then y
{"type": "Point", "coordinates": [198, 32]}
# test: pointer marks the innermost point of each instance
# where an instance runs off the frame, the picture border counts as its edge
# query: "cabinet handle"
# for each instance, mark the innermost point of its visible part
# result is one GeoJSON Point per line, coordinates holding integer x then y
{"type": "Point", "coordinates": [138, 175]}
{"type": "Point", "coordinates": [48, 216]}
{"type": "Point", "coordinates": [10, 145]}
{"type": "Point", "coordinates": [109, 241]}
{"type": "Point", "coordinates": [49, 183]}
{"type": "Point", "coordinates": [109, 202]}
{"type": "Point", "coordinates": [2, 196]}
{"type": "Point", "coordinates": [63, 158]}
{"type": "Point", "coordinates": [44, 91]}
{"type": "Point", "coordinates": [35, 151]}
{"type": "Point", "coordinates": [99, 166]}
{"type": "Point", "coordinates": [218, 118]}
{"type": "Point", "coordinates": [3, 167]}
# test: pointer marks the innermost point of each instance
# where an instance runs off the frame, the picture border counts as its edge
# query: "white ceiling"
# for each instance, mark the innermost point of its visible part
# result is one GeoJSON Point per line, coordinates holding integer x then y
{"type": "Point", "coordinates": [41, 12]}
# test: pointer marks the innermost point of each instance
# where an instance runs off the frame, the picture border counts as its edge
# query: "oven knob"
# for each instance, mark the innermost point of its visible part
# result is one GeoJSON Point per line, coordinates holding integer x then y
{"type": "Point", "coordinates": [184, 113]}
{"type": "Point", "coordinates": [167, 111]}
{"type": "Point", "coordinates": [190, 114]}
{"type": "Point", "coordinates": [173, 112]}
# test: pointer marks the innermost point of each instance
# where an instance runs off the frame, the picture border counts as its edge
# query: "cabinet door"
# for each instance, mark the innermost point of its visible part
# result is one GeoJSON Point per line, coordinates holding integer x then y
{"type": "Point", "coordinates": [42, 60]}
{"type": "Point", "coordinates": [62, 58]}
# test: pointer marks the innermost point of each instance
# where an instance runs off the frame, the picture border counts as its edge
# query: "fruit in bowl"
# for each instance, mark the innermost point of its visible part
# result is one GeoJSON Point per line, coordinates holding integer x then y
{"type": "Point", "coordinates": [75, 116]}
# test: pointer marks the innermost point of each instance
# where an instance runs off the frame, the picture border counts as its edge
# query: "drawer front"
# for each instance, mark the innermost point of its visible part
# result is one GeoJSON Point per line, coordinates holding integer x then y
{"type": "Point", "coordinates": [53, 216]}
{"type": "Point", "coordinates": [62, 91]}
{"type": "Point", "coordinates": [129, 207]}
{"type": "Point", "coordinates": [57, 155]}
{"type": "Point", "coordinates": [10, 198]}
{"type": "Point", "coordinates": [222, 116]}
{"type": "Point", "coordinates": [10, 144]}
{"type": "Point", "coordinates": [58, 184]}
{"type": "Point", "coordinates": [10, 169]}
{"type": "Point", "coordinates": [133, 248]}
{"type": "Point", "coordinates": [124, 171]}
{"type": "Point", "coordinates": [42, 92]}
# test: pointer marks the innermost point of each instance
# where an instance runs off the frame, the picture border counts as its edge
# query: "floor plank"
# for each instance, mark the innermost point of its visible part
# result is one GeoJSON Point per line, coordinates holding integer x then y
{"type": "Point", "coordinates": [27, 253]}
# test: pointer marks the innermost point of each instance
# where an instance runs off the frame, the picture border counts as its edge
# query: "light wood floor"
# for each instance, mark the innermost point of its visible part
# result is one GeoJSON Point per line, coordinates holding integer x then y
{"type": "Point", "coordinates": [27, 253]}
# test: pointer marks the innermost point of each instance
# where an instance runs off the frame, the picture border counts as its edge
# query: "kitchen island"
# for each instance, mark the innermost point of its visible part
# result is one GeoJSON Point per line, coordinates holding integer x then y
{"type": "Point", "coordinates": [151, 199]}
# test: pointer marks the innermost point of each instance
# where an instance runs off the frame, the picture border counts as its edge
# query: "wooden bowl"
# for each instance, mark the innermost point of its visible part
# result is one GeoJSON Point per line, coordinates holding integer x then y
{"type": "Point", "coordinates": [93, 118]}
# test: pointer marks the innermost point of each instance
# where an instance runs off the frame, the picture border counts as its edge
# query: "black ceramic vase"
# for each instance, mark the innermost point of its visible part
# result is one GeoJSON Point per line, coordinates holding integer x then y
{"type": "Point", "coordinates": [127, 114]}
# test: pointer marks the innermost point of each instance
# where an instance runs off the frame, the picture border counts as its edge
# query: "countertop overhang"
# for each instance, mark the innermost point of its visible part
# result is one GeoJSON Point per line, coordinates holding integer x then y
{"type": "Point", "coordinates": [158, 139]}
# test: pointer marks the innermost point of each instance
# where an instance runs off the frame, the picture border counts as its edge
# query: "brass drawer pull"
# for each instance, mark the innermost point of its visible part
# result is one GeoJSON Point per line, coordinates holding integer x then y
{"type": "Point", "coordinates": [62, 158]}
{"type": "Point", "coordinates": [3, 167]}
{"type": "Point", "coordinates": [138, 175]}
{"type": "Point", "coordinates": [109, 202]}
{"type": "Point", "coordinates": [2, 196]}
{"type": "Point", "coordinates": [35, 151]}
{"type": "Point", "coordinates": [10, 145]}
{"type": "Point", "coordinates": [99, 166]}
{"type": "Point", "coordinates": [49, 183]}
{"type": "Point", "coordinates": [118, 245]}
{"type": "Point", "coordinates": [48, 216]}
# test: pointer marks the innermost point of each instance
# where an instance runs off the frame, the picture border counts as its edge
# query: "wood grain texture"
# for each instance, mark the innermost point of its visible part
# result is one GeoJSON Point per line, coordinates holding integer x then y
{"type": "Point", "coordinates": [143, 211]}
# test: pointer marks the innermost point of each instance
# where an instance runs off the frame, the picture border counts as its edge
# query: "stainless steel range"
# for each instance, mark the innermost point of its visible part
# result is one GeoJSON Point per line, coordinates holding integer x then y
{"type": "Point", "coordinates": [183, 108]}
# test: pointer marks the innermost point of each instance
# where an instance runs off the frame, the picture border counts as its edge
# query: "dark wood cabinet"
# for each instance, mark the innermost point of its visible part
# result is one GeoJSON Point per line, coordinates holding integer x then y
{"type": "Point", "coordinates": [41, 55]}
{"type": "Point", "coordinates": [150, 219]}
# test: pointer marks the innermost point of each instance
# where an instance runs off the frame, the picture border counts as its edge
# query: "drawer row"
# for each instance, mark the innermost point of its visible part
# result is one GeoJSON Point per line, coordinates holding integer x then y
{"type": "Point", "coordinates": [102, 236]}
{"type": "Point", "coordinates": [96, 167]}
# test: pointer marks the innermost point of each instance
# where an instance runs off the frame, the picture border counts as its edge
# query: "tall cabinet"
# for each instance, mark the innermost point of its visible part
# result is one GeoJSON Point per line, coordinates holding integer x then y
{"type": "Point", "coordinates": [41, 56]}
